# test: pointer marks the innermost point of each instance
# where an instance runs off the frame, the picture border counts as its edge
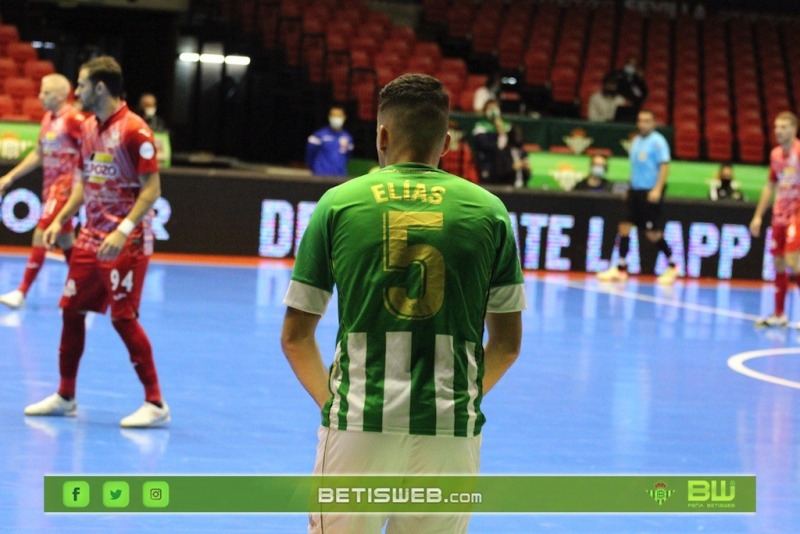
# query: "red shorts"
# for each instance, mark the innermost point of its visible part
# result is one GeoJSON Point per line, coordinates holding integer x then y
{"type": "Point", "coordinates": [93, 284]}
{"type": "Point", "coordinates": [785, 238]}
{"type": "Point", "coordinates": [49, 211]}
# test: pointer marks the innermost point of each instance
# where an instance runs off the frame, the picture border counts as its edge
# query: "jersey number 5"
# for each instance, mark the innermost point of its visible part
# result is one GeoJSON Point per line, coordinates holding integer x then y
{"type": "Point", "coordinates": [398, 255]}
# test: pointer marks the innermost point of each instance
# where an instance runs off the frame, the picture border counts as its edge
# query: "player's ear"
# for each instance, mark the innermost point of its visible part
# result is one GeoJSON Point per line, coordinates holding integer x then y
{"type": "Point", "coordinates": [447, 140]}
{"type": "Point", "coordinates": [383, 138]}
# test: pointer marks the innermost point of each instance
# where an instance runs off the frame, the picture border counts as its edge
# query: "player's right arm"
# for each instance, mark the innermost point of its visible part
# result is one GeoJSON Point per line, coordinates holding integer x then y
{"type": "Point", "coordinates": [300, 346]}
{"type": "Point", "coordinates": [763, 203]}
{"type": "Point", "coordinates": [29, 163]}
{"type": "Point", "coordinates": [502, 346]}
{"type": "Point", "coordinates": [69, 210]}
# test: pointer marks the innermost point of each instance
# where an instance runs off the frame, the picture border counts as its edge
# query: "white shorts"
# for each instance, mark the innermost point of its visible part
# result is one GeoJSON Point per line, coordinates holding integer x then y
{"type": "Point", "coordinates": [341, 452]}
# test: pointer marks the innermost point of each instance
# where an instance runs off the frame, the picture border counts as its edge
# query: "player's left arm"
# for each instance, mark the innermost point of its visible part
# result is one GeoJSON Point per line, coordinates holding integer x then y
{"type": "Point", "coordinates": [655, 194]}
{"type": "Point", "coordinates": [113, 243]}
{"type": "Point", "coordinates": [300, 346]}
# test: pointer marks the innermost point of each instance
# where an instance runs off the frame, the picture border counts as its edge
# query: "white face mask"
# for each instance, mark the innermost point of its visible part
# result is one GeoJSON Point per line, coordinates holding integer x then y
{"type": "Point", "coordinates": [598, 170]}
{"type": "Point", "coordinates": [630, 70]}
{"type": "Point", "coordinates": [336, 122]}
{"type": "Point", "coordinates": [150, 111]}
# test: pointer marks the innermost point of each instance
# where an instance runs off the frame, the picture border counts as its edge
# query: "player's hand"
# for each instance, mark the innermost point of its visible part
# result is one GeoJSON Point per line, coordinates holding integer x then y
{"type": "Point", "coordinates": [50, 234]}
{"type": "Point", "coordinates": [654, 195]}
{"type": "Point", "coordinates": [111, 246]}
{"type": "Point", "coordinates": [755, 227]}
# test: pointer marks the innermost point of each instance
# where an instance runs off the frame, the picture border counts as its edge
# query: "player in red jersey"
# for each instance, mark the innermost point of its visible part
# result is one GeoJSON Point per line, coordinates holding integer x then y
{"type": "Point", "coordinates": [784, 185]}
{"type": "Point", "coordinates": [58, 154]}
{"type": "Point", "coordinates": [119, 185]}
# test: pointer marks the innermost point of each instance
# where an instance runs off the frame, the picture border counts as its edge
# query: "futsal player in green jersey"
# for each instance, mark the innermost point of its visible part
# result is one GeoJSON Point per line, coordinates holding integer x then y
{"type": "Point", "coordinates": [421, 260]}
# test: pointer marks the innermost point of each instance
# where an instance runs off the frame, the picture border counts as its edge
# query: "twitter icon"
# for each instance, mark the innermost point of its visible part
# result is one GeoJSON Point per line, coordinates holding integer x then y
{"type": "Point", "coordinates": [116, 494]}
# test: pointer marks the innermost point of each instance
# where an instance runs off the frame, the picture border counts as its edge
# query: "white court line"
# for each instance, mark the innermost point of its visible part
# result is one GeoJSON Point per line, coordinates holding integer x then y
{"type": "Point", "coordinates": [612, 290]}
{"type": "Point", "coordinates": [736, 363]}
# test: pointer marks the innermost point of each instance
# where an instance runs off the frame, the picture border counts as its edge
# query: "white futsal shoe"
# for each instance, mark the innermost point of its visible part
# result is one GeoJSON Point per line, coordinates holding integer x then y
{"type": "Point", "coordinates": [13, 299]}
{"type": "Point", "coordinates": [780, 321]}
{"type": "Point", "coordinates": [614, 274]}
{"type": "Point", "coordinates": [147, 416]}
{"type": "Point", "coordinates": [55, 405]}
{"type": "Point", "coordinates": [668, 277]}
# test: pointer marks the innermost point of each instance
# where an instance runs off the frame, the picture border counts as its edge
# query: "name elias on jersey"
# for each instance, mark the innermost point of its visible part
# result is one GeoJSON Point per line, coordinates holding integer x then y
{"type": "Point", "coordinates": [411, 192]}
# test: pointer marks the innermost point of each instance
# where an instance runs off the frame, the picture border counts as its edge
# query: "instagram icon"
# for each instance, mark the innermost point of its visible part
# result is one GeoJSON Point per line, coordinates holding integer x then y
{"type": "Point", "coordinates": [155, 494]}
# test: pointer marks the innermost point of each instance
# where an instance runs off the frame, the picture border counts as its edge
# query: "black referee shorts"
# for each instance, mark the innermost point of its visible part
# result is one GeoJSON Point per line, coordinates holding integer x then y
{"type": "Point", "coordinates": [644, 214]}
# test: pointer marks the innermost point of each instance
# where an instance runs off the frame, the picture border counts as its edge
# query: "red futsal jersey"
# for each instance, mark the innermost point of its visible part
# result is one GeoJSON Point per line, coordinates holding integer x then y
{"type": "Point", "coordinates": [114, 154]}
{"type": "Point", "coordinates": [59, 143]}
{"type": "Point", "coordinates": [784, 172]}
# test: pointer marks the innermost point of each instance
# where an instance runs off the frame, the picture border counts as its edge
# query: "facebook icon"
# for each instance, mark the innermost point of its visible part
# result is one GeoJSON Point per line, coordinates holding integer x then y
{"type": "Point", "coordinates": [75, 494]}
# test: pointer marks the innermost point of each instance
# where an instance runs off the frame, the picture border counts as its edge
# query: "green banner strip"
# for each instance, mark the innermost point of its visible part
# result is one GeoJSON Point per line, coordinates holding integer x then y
{"type": "Point", "coordinates": [18, 138]}
{"type": "Point", "coordinates": [398, 494]}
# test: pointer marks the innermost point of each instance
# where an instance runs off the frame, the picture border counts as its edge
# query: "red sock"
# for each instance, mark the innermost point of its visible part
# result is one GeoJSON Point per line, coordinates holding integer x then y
{"type": "Point", "coordinates": [781, 286]}
{"type": "Point", "coordinates": [67, 253]}
{"type": "Point", "coordinates": [35, 262]}
{"type": "Point", "coordinates": [73, 337]}
{"type": "Point", "coordinates": [141, 354]}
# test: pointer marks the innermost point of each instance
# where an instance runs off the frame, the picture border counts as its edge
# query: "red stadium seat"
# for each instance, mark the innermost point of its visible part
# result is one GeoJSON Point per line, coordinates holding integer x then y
{"type": "Point", "coordinates": [19, 88]}
{"type": "Point", "coordinates": [21, 53]}
{"type": "Point", "coordinates": [8, 34]}
{"type": "Point", "coordinates": [38, 69]}
{"type": "Point", "coordinates": [8, 68]}
{"type": "Point", "coordinates": [32, 108]}
{"type": "Point", "coordinates": [6, 105]}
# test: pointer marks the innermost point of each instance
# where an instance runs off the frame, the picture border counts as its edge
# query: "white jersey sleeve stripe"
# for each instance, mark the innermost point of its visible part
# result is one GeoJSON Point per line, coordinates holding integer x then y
{"type": "Point", "coordinates": [307, 298]}
{"type": "Point", "coordinates": [444, 374]}
{"type": "Point", "coordinates": [506, 299]}
{"type": "Point", "coordinates": [472, 388]}
{"type": "Point", "coordinates": [397, 381]}
{"type": "Point", "coordinates": [357, 372]}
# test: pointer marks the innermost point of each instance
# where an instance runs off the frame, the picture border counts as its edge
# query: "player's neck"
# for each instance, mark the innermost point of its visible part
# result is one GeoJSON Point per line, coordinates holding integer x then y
{"type": "Point", "coordinates": [108, 108]}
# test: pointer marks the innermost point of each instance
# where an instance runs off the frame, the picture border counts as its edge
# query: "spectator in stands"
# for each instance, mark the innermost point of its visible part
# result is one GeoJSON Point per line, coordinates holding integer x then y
{"type": "Point", "coordinates": [490, 137]}
{"type": "Point", "coordinates": [603, 104]}
{"type": "Point", "coordinates": [520, 163]}
{"type": "Point", "coordinates": [458, 159]}
{"type": "Point", "coordinates": [632, 87]}
{"type": "Point", "coordinates": [724, 187]}
{"type": "Point", "coordinates": [148, 107]}
{"type": "Point", "coordinates": [329, 149]}
{"type": "Point", "coordinates": [490, 91]}
{"type": "Point", "coordinates": [596, 181]}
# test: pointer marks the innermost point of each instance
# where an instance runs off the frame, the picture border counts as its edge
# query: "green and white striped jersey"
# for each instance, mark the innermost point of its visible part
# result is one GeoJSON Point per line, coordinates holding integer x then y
{"type": "Point", "coordinates": [418, 257]}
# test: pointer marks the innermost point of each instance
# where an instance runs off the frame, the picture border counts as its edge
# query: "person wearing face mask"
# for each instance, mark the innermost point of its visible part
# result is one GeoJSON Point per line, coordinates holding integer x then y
{"type": "Point", "coordinates": [491, 141]}
{"type": "Point", "coordinates": [148, 106]}
{"type": "Point", "coordinates": [603, 104]}
{"type": "Point", "coordinates": [724, 187]}
{"type": "Point", "coordinates": [596, 181]}
{"type": "Point", "coordinates": [329, 149]}
{"type": "Point", "coordinates": [632, 87]}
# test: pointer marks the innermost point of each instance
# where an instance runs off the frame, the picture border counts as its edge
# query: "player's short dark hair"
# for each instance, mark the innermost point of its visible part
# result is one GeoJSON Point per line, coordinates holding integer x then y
{"type": "Point", "coordinates": [105, 69]}
{"type": "Point", "coordinates": [420, 107]}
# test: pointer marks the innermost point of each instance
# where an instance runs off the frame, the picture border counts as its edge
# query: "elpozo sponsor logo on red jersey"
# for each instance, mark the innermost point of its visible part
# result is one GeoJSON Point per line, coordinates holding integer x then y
{"type": "Point", "coordinates": [101, 167]}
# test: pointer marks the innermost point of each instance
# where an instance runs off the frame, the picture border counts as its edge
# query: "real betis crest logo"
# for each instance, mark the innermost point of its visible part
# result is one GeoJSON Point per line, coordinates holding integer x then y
{"type": "Point", "coordinates": [660, 493]}
{"type": "Point", "coordinates": [578, 141]}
